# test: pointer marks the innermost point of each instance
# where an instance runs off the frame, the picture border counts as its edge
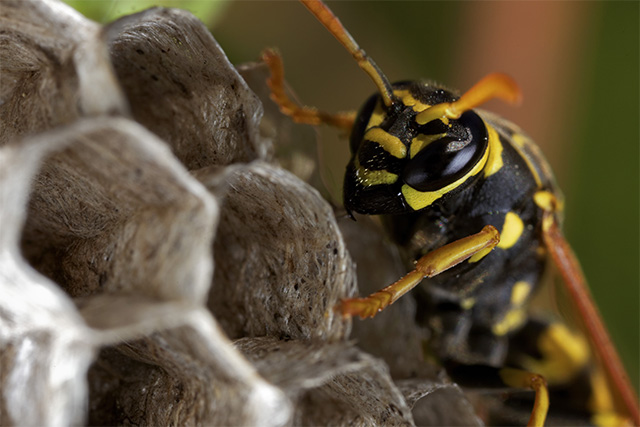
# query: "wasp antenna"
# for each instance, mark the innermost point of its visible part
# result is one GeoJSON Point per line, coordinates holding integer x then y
{"type": "Point", "coordinates": [322, 12]}
{"type": "Point", "coordinates": [494, 85]}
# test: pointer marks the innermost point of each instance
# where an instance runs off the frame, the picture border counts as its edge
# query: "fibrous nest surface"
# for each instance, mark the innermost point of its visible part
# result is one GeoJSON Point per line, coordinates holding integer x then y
{"type": "Point", "coordinates": [157, 266]}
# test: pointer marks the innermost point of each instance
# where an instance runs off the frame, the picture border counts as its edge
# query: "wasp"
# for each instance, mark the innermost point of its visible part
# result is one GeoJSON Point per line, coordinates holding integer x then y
{"type": "Point", "coordinates": [473, 203]}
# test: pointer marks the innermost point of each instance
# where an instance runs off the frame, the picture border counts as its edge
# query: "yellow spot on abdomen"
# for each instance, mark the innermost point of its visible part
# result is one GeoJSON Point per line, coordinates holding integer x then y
{"type": "Point", "coordinates": [519, 292]}
{"type": "Point", "coordinates": [511, 230]}
{"type": "Point", "coordinates": [515, 317]}
{"type": "Point", "coordinates": [512, 320]}
{"type": "Point", "coordinates": [391, 144]}
{"type": "Point", "coordinates": [564, 354]}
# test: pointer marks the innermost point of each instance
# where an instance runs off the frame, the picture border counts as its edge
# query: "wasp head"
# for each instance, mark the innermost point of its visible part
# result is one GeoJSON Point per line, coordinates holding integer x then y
{"type": "Point", "coordinates": [413, 152]}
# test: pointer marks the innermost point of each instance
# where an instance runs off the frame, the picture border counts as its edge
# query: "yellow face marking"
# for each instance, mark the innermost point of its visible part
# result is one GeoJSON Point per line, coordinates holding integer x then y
{"type": "Point", "coordinates": [494, 163]}
{"type": "Point", "coordinates": [377, 116]}
{"type": "Point", "coordinates": [564, 354]}
{"type": "Point", "coordinates": [421, 199]}
{"type": "Point", "coordinates": [407, 99]}
{"type": "Point", "coordinates": [421, 141]}
{"type": "Point", "coordinates": [520, 143]}
{"type": "Point", "coordinates": [520, 292]}
{"type": "Point", "coordinates": [391, 144]}
{"type": "Point", "coordinates": [547, 201]}
{"type": "Point", "coordinates": [511, 230]}
{"type": "Point", "coordinates": [368, 178]}
{"type": "Point", "coordinates": [512, 320]}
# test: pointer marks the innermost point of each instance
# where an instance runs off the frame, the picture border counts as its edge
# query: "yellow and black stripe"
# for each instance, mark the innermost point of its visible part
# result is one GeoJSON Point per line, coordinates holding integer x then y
{"type": "Point", "coordinates": [439, 172]}
{"type": "Point", "coordinates": [405, 161]}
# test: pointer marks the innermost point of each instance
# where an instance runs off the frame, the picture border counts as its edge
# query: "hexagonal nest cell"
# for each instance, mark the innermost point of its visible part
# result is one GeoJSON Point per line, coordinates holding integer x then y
{"type": "Point", "coordinates": [157, 264]}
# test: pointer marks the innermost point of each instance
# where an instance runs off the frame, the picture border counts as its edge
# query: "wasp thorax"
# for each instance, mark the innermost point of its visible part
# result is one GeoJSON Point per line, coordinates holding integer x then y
{"type": "Point", "coordinates": [395, 158]}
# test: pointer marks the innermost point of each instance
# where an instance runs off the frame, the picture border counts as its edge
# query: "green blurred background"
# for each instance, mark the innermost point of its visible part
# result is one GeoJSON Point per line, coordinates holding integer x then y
{"type": "Point", "coordinates": [576, 62]}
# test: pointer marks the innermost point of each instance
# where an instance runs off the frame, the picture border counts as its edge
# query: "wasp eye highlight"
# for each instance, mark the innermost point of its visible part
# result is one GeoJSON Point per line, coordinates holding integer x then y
{"type": "Point", "coordinates": [448, 158]}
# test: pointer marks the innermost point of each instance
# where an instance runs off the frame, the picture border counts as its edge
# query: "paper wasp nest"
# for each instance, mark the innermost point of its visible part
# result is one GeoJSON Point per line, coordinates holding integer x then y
{"type": "Point", "coordinates": [156, 265]}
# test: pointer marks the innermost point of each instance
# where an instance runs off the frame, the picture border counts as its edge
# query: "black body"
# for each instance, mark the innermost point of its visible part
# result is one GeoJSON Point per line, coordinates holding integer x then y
{"type": "Point", "coordinates": [463, 305]}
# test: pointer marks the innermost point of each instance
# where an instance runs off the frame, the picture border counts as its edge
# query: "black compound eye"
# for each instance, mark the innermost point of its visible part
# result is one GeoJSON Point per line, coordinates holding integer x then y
{"type": "Point", "coordinates": [449, 158]}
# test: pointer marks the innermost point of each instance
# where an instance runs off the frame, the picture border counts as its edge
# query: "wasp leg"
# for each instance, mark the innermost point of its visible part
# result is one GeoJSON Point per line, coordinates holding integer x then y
{"type": "Point", "coordinates": [299, 114]}
{"type": "Point", "coordinates": [484, 377]}
{"type": "Point", "coordinates": [431, 264]}
{"type": "Point", "coordinates": [523, 379]}
{"type": "Point", "coordinates": [577, 387]}
{"type": "Point", "coordinates": [576, 285]}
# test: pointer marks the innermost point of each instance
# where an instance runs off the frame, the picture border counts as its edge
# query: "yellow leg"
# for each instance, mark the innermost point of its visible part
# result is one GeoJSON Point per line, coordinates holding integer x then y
{"type": "Point", "coordinates": [431, 264]}
{"type": "Point", "coordinates": [523, 379]}
{"type": "Point", "coordinates": [298, 113]}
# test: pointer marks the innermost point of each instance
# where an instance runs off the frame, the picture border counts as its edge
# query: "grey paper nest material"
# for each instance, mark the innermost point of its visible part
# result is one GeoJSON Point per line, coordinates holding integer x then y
{"type": "Point", "coordinates": [143, 227]}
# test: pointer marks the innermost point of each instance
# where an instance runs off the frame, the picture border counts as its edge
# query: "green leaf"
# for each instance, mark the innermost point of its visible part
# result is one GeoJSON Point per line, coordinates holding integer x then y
{"type": "Point", "coordinates": [104, 11]}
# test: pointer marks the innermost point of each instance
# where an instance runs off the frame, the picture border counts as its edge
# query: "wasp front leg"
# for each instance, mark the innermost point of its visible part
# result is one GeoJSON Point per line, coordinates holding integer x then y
{"type": "Point", "coordinates": [299, 113]}
{"type": "Point", "coordinates": [431, 264]}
